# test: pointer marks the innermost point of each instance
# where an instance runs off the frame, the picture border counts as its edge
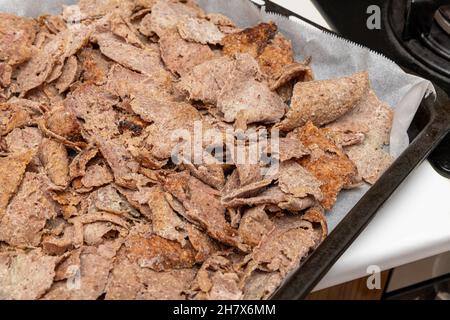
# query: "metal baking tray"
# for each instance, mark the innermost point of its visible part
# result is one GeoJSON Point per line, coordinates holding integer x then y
{"type": "Point", "coordinates": [430, 125]}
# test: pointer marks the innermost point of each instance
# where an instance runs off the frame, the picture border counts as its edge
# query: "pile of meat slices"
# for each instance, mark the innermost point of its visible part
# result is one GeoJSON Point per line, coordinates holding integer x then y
{"type": "Point", "coordinates": [91, 205]}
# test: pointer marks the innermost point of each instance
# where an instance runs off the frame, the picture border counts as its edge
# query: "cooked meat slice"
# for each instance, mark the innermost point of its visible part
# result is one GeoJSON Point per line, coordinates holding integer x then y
{"type": "Point", "coordinates": [286, 149]}
{"type": "Point", "coordinates": [12, 117]}
{"type": "Point", "coordinates": [328, 163]}
{"type": "Point", "coordinates": [247, 191]}
{"type": "Point", "coordinates": [166, 15]}
{"type": "Point", "coordinates": [260, 285]}
{"type": "Point", "coordinates": [54, 24]}
{"type": "Point", "coordinates": [88, 9]}
{"type": "Point", "coordinates": [47, 63]}
{"type": "Point", "coordinates": [58, 245]}
{"type": "Point", "coordinates": [154, 252]}
{"type": "Point", "coordinates": [206, 81]}
{"type": "Point", "coordinates": [290, 72]}
{"type": "Point", "coordinates": [77, 167]}
{"type": "Point", "coordinates": [370, 160]}
{"type": "Point", "coordinates": [26, 215]}
{"type": "Point", "coordinates": [5, 74]}
{"type": "Point", "coordinates": [165, 222]}
{"type": "Point", "coordinates": [25, 276]}
{"type": "Point", "coordinates": [96, 176]}
{"type": "Point", "coordinates": [210, 172]}
{"type": "Point", "coordinates": [12, 170]}
{"type": "Point", "coordinates": [94, 66]}
{"type": "Point", "coordinates": [17, 35]}
{"type": "Point", "coordinates": [68, 75]}
{"type": "Point", "coordinates": [179, 55]}
{"type": "Point", "coordinates": [374, 118]}
{"type": "Point", "coordinates": [146, 61]}
{"type": "Point", "coordinates": [251, 40]}
{"type": "Point", "coordinates": [124, 167]}
{"type": "Point", "coordinates": [108, 199]}
{"type": "Point", "coordinates": [68, 268]}
{"type": "Point", "coordinates": [202, 207]}
{"type": "Point", "coordinates": [252, 101]}
{"type": "Point", "coordinates": [128, 281]}
{"type": "Point", "coordinates": [283, 248]}
{"type": "Point", "coordinates": [63, 123]}
{"type": "Point", "coordinates": [23, 140]}
{"type": "Point", "coordinates": [90, 276]}
{"type": "Point", "coordinates": [295, 180]}
{"type": "Point", "coordinates": [346, 139]}
{"type": "Point", "coordinates": [254, 225]}
{"type": "Point", "coordinates": [97, 233]}
{"type": "Point", "coordinates": [324, 101]}
{"type": "Point", "coordinates": [220, 20]}
{"type": "Point", "coordinates": [316, 215]}
{"type": "Point", "coordinates": [276, 56]}
{"type": "Point", "coordinates": [55, 160]}
{"type": "Point", "coordinates": [370, 116]}
{"type": "Point", "coordinates": [199, 30]}
{"type": "Point", "coordinates": [122, 27]}
{"type": "Point", "coordinates": [216, 280]}
{"type": "Point", "coordinates": [272, 196]}
{"type": "Point", "coordinates": [202, 243]}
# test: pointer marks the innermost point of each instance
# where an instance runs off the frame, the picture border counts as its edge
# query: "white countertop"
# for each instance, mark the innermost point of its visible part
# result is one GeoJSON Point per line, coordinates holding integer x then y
{"type": "Point", "coordinates": [413, 224]}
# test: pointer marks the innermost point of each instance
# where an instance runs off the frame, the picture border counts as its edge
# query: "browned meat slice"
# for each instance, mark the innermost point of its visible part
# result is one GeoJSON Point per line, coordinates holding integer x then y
{"type": "Point", "coordinates": [129, 281]}
{"type": "Point", "coordinates": [276, 56]}
{"type": "Point", "coordinates": [26, 276]}
{"type": "Point", "coordinates": [26, 215]}
{"type": "Point", "coordinates": [12, 170]}
{"type": "Point", "coordinates": [88, 9]}
{"type": "Point", "coordinates": [89, 277]}
{"type": "Point", "coordinates": [5, 74]}
{"type": "Point", "coordinates": [202, 207]}
{"type": "Point", "coordinates": [216, 280]}
{"type": "Point", "coordinates": [54, 24]}
{"type": "Point", "coordinates": [328, 163]}
{"type": "Point", "coordinates": [202, 243]}
{"type": "Point", "coordinates": [199, 30]}
{"type": "Point", "coordinates": [53, 244]}
{"type": "Point", "coordinates": [316, 215]}
{"type": "Point", "coordinates": [247, 191]}
{"type": "Point", "coordinates": [287, 149]}
{"type": "Point", "coordinates": [68, 75]}
{"type": "Point", "coordinates": [17, 35]}
{"type": "Point", "coordinates": [99, 121]}
{"type": "Point", "coordinates": [96, 175]}
{"type": "Point", "coordinates": [24, 140]}
{"type": "Point", "coordinates": [77, 167]}
{"type": "Point", "coordinates": [324, 101]}
{"type": "Point", "coordinates": [260, 285]}
{"type": "Point", "coordinates": [254, 225]}
{"type": "Point", "coordinates": [294, 71]}
{"type": "Point", "coordinates": [220, 20]}
{"type": "Point", "coordinates": [146, 61]}
{"type": "Point", "coordinates": [55, 160]}
{"type": "Point", "coordinates": [48, 62]}
{"type": "Point", "coordinates": [374, 118]}
{"type": "Point", "coordinates": [251, 40]}
{"type": "Point", "coordinates": [273, 196]}
{"type": "Point", "coordinates": [282, 249]}
{"type": "Point", "coordinates": [206, 81]}
{"type": "Point", "coordinates": [250, 101]}
{"type": "Point", "coordinates": [63, 123]}
{"type": "Point", "coordinates": [295, 180]}
{"type": "Point", "coordinates": [166, 15]}
{"type": "Point", "coordinates": [179, 55]}
{"type": "Point", "coordinates": [122, 27]}
{"type": "Point", "coordinates": [346, 139]}
{"type": "Point", "coordinates": [94, 66]}
{"type": "Point", "coordinates": [165, 222]}
{"type": "Point", "coordinates": [97, 233]}
{"type": "Point", "coordinates": [12, 117]}
{"type": "Point", "coordinates": [108, 199]}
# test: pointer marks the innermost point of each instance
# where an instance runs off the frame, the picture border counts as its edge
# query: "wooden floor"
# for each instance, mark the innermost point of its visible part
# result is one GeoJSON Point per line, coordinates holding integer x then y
{"type": "Point", "coordinates": [354, 290]}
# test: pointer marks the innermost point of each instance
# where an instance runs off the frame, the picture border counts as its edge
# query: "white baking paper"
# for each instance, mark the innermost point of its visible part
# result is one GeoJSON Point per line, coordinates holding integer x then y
{"type": "Point", "coordinates": [332, 57]}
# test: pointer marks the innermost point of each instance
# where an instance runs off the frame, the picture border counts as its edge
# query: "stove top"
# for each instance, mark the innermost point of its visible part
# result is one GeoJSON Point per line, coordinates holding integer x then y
{"type": "Point", "coordinates": [413, 33]}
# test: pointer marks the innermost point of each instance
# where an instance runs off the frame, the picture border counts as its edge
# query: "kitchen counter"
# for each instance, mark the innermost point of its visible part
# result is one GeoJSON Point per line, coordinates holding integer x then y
{"type": "Point", "coordinates": [413, 224]}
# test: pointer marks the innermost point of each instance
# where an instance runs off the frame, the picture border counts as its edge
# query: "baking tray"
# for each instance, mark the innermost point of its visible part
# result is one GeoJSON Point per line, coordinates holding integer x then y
{"type": "Point", "coordinates": [429, 127]}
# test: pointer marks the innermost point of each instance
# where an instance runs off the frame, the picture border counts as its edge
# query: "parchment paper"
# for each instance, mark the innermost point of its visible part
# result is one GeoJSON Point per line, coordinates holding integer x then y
{"type": "Point", "coordinates": [332, 57]}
